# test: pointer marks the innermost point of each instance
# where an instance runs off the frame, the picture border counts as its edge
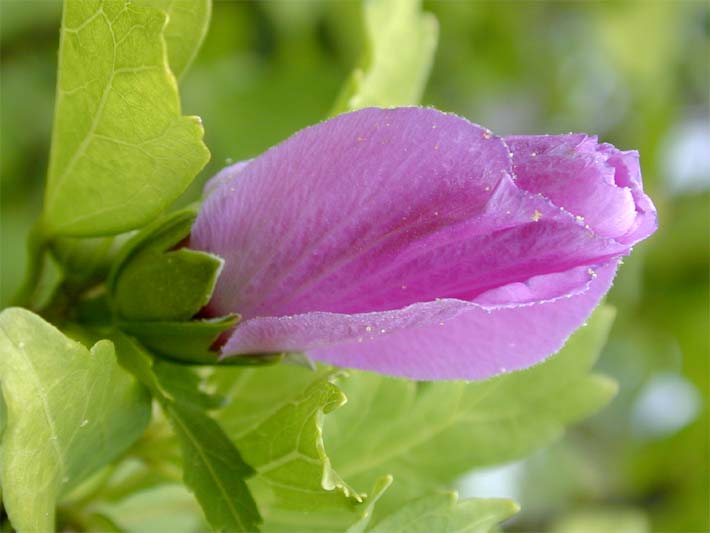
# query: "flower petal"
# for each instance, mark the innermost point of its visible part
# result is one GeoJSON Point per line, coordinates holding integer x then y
{"type": "Point", "coordinates": [628, 174]}
{"type": "Point", "coordinates": [380, 209]}
{"type": "Point", "coordinates": [475, 344]}
{"type": "Point", "coordinates": [225, 175]}
{"type": "Point", "coordinates": [331, 336]}
{"type": "Point", "coordinates": [595, 182]}
{"type": "Point", "coordinates": [338, 200]}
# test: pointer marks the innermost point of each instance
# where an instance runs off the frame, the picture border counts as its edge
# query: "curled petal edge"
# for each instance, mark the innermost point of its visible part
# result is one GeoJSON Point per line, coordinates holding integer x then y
{"type": "Point", "coordinates": [346, 340]}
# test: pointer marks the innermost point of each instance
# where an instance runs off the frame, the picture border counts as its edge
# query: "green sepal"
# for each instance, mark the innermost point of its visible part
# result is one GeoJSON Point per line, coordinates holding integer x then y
{"type": "Point", "coordinates": [160, 235]}
{"type": "Point", "coordinates": [151, 282]}
{"type": "Point", "coordinates": [190, 342]}
{"type": "Point", "coordinates": [51, 276]}
{"type": "Point", "coordinates": [166, 286]}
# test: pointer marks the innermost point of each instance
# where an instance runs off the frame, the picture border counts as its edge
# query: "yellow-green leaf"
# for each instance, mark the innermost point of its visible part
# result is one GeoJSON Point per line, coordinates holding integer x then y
{"type": "Point", "coordinates": [121, 149]}
{"type": "Point", "coordinates": [69, 411]}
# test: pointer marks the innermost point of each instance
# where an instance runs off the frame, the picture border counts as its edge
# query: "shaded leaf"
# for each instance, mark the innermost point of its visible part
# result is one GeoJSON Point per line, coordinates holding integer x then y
{"type": "Point", "coordinates": [602, 520]}
{"type": "Point", "coordinates": [84, 261]}
{"type": "Point", "coordinates": [165, 508]}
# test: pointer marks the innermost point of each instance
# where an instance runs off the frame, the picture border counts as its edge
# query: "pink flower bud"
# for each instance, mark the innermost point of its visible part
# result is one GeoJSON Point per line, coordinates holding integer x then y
{"type": "Point", "coordinates": [414, 243]}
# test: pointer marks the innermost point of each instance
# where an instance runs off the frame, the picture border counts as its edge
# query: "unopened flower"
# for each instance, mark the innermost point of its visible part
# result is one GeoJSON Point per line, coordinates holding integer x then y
{"type": "Point", "coordinates": [415, 243]}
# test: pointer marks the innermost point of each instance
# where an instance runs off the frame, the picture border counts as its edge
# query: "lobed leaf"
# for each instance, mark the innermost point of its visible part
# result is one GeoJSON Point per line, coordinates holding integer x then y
{"type": "Point", "coordinates": [69, 411]}
{"type": "Point", "coordinates": [277, 425]}
{"type": "Point", "coordinates": [381, 485]}
{"type": "Point", "coordinates": [287, 453]}
{"type": "Point", "coordinates": [255, 394]}
{"type": "Point", "coordinates": [274, 419]}
{"type": "Point", "coordinates": [121, 149]}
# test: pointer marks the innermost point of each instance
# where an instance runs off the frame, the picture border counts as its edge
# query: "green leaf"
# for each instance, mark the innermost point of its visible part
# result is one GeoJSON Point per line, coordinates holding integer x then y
{"type": "Point", "coordinates": [254, 394]}
{"type": "Point", "coordinates": [428, 434]}
{"type": "Point", "coordinates": [3, 414]}
{"type": "Point", "coordinates": [399, 52]}
{"type": "Point", "coordinates": [121, 150]}
{"type": "Point", "coordinates": [188, 21]}
{"type": "Point", "coordinates": [297, 460]}
{"type": "Point", "coordinates": [381, 485]}
{"type": "Point", "coordinates": [213, 469]}
{"type": "Point", "coordinates": [296, 487]}
{"type": "Point", "coordinates": [444, 513]}
{"type": "Point", "coordinates": [69, 412]}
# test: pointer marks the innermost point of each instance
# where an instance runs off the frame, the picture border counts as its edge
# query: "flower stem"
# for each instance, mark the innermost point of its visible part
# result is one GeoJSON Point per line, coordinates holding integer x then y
{"type": "Point", "coordinates": [36, 247]}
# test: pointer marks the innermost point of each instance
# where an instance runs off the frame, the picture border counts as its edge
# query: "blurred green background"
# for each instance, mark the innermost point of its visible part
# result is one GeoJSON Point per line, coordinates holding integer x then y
{"type": "Point", "coordinates": [637, 74]}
